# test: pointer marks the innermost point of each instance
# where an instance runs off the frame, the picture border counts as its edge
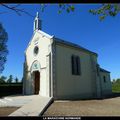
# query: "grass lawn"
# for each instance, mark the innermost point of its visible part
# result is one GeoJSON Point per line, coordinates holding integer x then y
{"type": "Point", "coordinates": [116, 87]}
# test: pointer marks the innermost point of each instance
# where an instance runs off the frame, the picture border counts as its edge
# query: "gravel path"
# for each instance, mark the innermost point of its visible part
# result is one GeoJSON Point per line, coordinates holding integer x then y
{"type": "Point", "coordinates": [104, 107]}
{"type": "Point", "coordinates": [5, 111]}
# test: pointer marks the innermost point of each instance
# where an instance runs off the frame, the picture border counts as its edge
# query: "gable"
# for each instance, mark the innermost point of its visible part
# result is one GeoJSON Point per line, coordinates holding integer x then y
{"type": "Point", "coordinates": [42, 43]}
{"type": "Point", "coordinates": [36, 37]}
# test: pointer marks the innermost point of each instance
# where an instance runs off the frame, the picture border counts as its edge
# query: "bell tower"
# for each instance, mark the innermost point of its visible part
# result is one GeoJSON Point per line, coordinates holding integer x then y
{"type": "Point", "coordinates": [37, 23]}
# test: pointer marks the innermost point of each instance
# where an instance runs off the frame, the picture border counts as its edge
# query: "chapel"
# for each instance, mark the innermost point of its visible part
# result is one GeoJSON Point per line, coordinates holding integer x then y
{"type": "Point", "coordinates": [57, 68]}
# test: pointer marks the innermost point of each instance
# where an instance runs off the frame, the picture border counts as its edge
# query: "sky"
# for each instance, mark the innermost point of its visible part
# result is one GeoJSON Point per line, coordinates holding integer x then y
{"type": "Point", "coordinates": [79, 27]}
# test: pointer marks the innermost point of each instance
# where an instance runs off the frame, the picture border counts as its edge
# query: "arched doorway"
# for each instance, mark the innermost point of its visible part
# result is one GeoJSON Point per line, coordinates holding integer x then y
{"type": "Point", "coordinates": [36, 82]}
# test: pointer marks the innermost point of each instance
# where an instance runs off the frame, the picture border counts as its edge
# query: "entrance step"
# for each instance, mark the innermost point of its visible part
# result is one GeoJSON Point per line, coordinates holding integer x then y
{"type": "Point", "coordinates": [34, 108]}
{"type": "Point", "coordinates": [16, 101]}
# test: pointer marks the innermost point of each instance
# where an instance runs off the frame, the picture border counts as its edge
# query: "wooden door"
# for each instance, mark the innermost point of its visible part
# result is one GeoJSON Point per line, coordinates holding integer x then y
{"type": "Point", "coordinates": [37, 82]}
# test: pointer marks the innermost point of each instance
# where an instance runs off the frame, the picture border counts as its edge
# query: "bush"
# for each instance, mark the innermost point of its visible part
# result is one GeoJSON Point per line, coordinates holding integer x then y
{"type": "Point", "coordinates": [10, 89]}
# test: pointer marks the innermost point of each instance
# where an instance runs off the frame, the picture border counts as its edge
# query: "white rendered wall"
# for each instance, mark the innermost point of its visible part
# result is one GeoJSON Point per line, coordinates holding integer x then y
{"type": "Point", "coordinates": [106, 86]}
{"type": "Point", "coordinates": [73, 86]}
{"type": "Point", "coordinates": [43, 42]}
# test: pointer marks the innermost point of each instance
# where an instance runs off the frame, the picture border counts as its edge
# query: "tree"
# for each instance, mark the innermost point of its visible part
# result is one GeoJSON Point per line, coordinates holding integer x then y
{"type": "Point", "coordinates": [3, 79]}
{"type": "Point", "coordinates": [21, 80]}
{"type": "Point", "coordinates": [103, 11]}
{"type": "Point", "coordinates": [118, 80]}
{"type": "Point", "coordinates": [113, 81]}
{"type": "Point", "coordinates": [61, 7]}
{"type": "Point", "coordinates": [106, 10]}
{"type": "Point", "coordinates": [16, 80]}
{"type": "Point", "coordinates": [3, 47]}
{"type": "Point", "coordinates": [10, 79]}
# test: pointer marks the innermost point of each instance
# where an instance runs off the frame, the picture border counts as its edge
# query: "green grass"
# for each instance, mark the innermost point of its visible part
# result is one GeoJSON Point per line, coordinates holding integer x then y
{"type": "Point", "coordinates": [116, 87]}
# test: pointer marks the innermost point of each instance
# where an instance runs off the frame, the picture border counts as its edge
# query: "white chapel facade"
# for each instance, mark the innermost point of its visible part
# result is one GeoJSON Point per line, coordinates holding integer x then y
{"type": "Point", "coordinates": [63, 70]}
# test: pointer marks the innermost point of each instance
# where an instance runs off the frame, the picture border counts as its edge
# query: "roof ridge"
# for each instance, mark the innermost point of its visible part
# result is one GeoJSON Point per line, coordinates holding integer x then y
{"type": "Point", "coordinates": [71, 44]}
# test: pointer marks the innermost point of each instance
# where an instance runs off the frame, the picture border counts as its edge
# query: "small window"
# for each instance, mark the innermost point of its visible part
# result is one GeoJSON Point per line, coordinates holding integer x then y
{"type": "Point", "coordinates": [78, 65]}
{"type": "Point", "coordinates": [72, 62]}
{"type": "Point", "coordinates": [36, 50]}
{"type": "Point", "coordinates": [104, 79]}
{"type": "Point", "coordinates": [97, 66]}
{"type": "Point", "coordinates": [75, 62]}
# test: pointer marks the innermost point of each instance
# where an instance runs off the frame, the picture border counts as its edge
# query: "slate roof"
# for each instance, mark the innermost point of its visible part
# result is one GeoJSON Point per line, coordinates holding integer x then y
{"type": "Point", "coordinates": [59, 40]}
{"type": "Point", "coordinates": [103, 70]}
{"type": "Point", "coordinates": [72, 45]}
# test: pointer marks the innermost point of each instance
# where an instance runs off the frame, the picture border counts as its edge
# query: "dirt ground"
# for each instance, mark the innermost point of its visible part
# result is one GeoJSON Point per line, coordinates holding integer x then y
{"type": "Point", "coordinates": [102, 107]}
{"type": "Point", "coordinates": [5, 111]}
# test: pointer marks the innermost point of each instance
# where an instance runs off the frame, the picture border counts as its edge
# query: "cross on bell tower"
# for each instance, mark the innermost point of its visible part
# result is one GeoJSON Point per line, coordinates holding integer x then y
{"type": "Point", "coordinates": [37, 23]}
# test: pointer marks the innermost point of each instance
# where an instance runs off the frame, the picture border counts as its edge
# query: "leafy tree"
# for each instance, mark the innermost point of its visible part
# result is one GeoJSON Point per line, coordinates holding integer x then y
{"type": "Point", "coordinates": [113, 81]}
{"type": "Point", "coordinates": [118, 80]}
{"type": "Point", "coordinates": [116, 85]}
{"type": "Point", "coordinates": [10, 79]}
{"type": "Point", "coordinates": [21, 80]}
{"type": "Point", "coordinates": [61, 7]}
{"type": "Point", "coordinates": [16, 80]}
{"type": "Point", "coordinates": [3, 79]}
{"type": "Point", "coordinates": [103, 11]}
{"type": "Point", "coordinates": [3, 47]}
{"type": "Point", "coordinates": [106, 10]}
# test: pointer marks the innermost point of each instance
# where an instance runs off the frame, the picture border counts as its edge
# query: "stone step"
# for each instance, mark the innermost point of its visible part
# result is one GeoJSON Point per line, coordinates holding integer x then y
{"type": "Point", "coordinates": [34, 108]}
{"type": "Point", "coordinates": [15, 101]}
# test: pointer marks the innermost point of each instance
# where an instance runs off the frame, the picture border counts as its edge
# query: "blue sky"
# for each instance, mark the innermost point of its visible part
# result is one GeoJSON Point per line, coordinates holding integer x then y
{"type": "Point", "coordinates": [79, 27]}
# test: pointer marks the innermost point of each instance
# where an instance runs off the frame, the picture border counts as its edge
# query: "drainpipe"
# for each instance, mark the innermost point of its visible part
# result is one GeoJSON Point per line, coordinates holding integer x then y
{"type": "Point", "coordinates": [100, 80]}
{"type": "Point", "coordinates": [51, 91]}
{"type": "Point", "coordinates": [23, 79]}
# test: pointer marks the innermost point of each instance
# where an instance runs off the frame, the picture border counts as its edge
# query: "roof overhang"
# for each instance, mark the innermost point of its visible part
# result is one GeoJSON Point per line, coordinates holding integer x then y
{"type": "Point", "coordinates": [103, 70]}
